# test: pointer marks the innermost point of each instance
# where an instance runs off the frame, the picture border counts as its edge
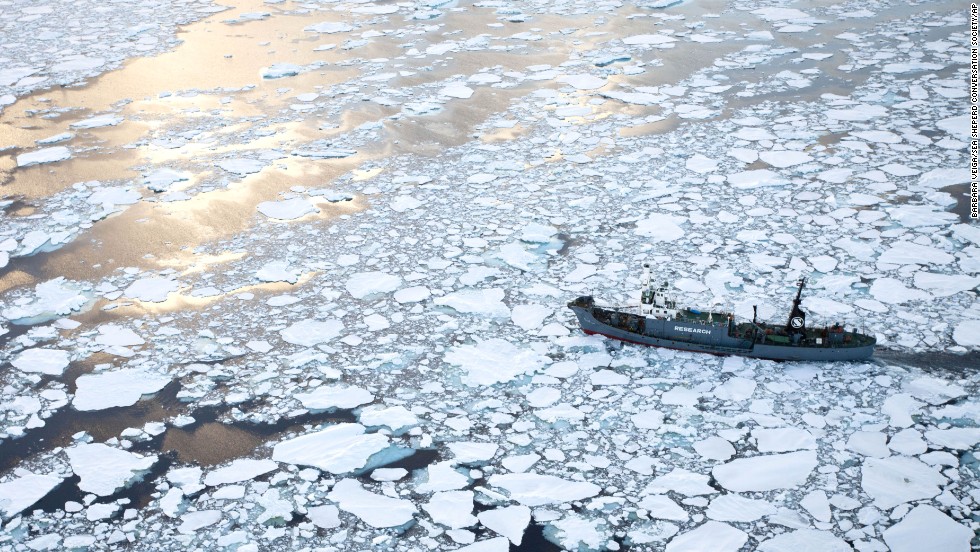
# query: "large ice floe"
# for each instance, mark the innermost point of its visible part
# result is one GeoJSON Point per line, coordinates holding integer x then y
{"type": "Point", "coordinates": [316, 298]}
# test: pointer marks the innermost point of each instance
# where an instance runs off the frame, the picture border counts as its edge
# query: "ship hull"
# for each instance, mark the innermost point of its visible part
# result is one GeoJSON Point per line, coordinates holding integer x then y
{"type": "Point", "coordinates": [714, 340]}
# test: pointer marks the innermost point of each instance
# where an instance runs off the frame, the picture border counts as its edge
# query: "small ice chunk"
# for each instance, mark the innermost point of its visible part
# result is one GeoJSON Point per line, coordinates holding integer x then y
{"type": "Point", "coordinates": [414, 294]}
{"type": "Point", "coordinates": [783, 439]}
{"type": "Point", "coordinates": [280, 70]}
{"type": "Point", "coordinates": [927, 529]}
{"type": "Point", "coordinates": [396, 418]}
{"type": "Point", "coordinates": [509, 521]}
{"type": "Point", "coordinates": [758, 178]}
{"type": "Point", "coordinates": [51, 362]}
{"type": "Point", "coordinates": [766, 472]}
{"type": "Point", "coordinates": [453, 509]}
{"type": "Point", "coordinates": [582, 81]}
{"type": "Point", "coordinates": [46, 155]}
{"type": "Point", "coordinates": [337, 449]}
{"type": "Point", "coordinates": [701, 164]}
{"type": "Point", "coordinates": [493, 361]}
{"type": "Point", "coordinates": [456, 90]}
{"type": "Point", "coordinates": [331, 397]}
{"type": "Point", "coordinates": [53, 298]}
{"type": "Point", "coordinates": [98, 121]}
{"type": "Point", "coordinates": [376, 510]}
{"type": "Point", "coordinates": [122, 387]}
{"type": "Point", "coordinates": [956, 438]}
{"type": "Point", "coordinates": [199, 519]}
{"type": "Point", "coordinates": [161, 180]}
{"type": "Point", "coordinates": [113, 335]}
{"type": "Point", "coordinates": [715, 448]}
{"type": "Point", "coordinates": [531, 489]}
{"type": "Point", "coordinates": [287, 209]}
{"type": "Point", "coordinates": [366, 284]}
{"type": "Point", "coordinates": [242, 469]}
{"type": "Point", "coordinates": [242, 166]}
{"type": "Point", "coordinates": [330, 27]}
{"type": "Point", "coordinates": [324, 517]}
{"type": "Point", "coordinates": [893, 291]}
{"type": "Point", "coordinates": [655, 40]}
{"type": "Point", "coordinates": [278, 271]}
{"type": "Point", "coordinates": [712, 535]}
{"type": "Point", "coordinates": [732, 507]}
{"type": "Point", "coordinates": [967, 333]}
{"type": "Point", "coordinates": [660, 227]}
{"type": "Point", "coordinates": [154, 289]}
{"type": "Point", "coordinates": [311, 332]}
{"type": "Point", "coordinates": [683, 482]}
{"type": "Point", "coordinates": [898, 479]}
{"type": "Point", "coordinates": [529, 317]}
{"type": "Point", "coordinates": [487, 302]}
{"type": "Point", "coordinates": [103, 469]}
{"type": "Point", "coordinates": [807, 539]}
{"type": "Point", "coordinates": [467, 452]}
{"type": "Point", "coordinates": [785, 158]}
{"type": "Point", "coordinates": [23, 492]}
{"type": "Point", "coordinates": [868, 443]}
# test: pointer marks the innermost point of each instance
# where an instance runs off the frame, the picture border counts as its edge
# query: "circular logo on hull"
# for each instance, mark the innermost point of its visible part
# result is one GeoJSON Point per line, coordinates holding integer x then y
{"type": "Point", "coordinates": [796, 322]}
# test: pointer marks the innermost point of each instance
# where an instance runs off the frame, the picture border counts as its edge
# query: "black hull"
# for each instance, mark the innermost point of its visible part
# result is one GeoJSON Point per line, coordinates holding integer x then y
{"type": "Point", "coordinates": [713, 342]}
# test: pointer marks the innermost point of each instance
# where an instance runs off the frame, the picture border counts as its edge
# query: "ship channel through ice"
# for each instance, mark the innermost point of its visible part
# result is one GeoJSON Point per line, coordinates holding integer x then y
{"type": "Point", "coordinates": [289, 275]}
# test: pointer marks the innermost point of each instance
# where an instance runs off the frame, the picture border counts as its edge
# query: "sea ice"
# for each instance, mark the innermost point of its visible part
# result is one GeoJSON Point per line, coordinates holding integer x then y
{"type": "Point", "coordinates": [453, 509]}
{"type": "Point", "coordinates": [732, 507]}
{"type": "Point", "coordinates": [531, 489]}
{"type": "Point", "coordinates": [493, 361]}
{"type": "Point", "coordinates": [967, 333]}
{"type": "Point", "coordinates": [242, 166]}
{"type": "Point", "coordinates": [783, 439]}
{"type": "Point", "coordinates": [16, 495]}
{"type": "Point", "coordinates": [903, 252]}
{"type": "Point", "coordinates": [122, 387]}
{"type": "Point", "coordinates": [683, 482]}
{"type": "Point", "coordinates": [893, 291]}
{"type": "Point", "coordinates": [337, 449]}
{"type": "Point", "coordinates": [487, 302]}
{"type": "Point", "coordinates": [715, 448]}
{"type": "Point", "coordinates": [661, 227]}
{"type": "Point", "coordinates": [287, 209]}
{"type": "Point", "coordinates": [103, 469]}
{"type": "Point", "coordinates": [311, 332]}
{"type": "Point", "coordinates": [366, 284]}
{"type": "Point", "coordinates": [758, 178]}
{"type": "Point", "coordinates": [46, 155]}
{"type": "Point", "coordinates": [51, 362]}
{"type": "Point", "coordinates": [278, 271]}
{"type": "Point", "coordinates": [766, 472]}
{"type": "Point", "coordinates": [414, 294]}
{"type": "Point", "coordinates": [926, 529]}
{"type": "Point", "coordinates": [374, 509]}
{"type": "Point", "coordinates": [331, 397]}
{"type": "Point", "coordinates": [803, 540]}
{"type": "Point", "coordinates": [114, 335]}
{"type": "Point", "coordinates": [98, 121]}
{"type": "Point", "coordinates": [712, 535]}
{"type": "Point", "coordinates": [897, 479]}
{"type": "Point", "coordinates": [154, 289]}
{"type": "Point", "coordinates": [53, 298]}
{"type": "Point", "coordinates": [330, 27]}
{"type": "Point", "coordinates": [396, 418]}
{"type": "Point", "coordinates": [242, 469]}
{"type": "Point", "coordinates": [509, 521]}
{"type": "Point", "coordinates": [582, 81]}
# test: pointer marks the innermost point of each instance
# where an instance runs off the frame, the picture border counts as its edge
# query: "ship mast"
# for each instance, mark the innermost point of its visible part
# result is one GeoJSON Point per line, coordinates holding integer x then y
{"type": "Point", "coordinates": [797, 318]}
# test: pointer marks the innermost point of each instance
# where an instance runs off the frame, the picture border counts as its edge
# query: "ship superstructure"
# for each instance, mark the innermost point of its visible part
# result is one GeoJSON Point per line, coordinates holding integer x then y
{"type": "Point", "coordinates": [658, 321]}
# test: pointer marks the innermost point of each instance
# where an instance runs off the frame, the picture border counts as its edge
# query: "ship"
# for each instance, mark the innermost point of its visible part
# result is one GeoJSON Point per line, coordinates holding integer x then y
{"type": "Point", "coordinates": [658, 322]}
